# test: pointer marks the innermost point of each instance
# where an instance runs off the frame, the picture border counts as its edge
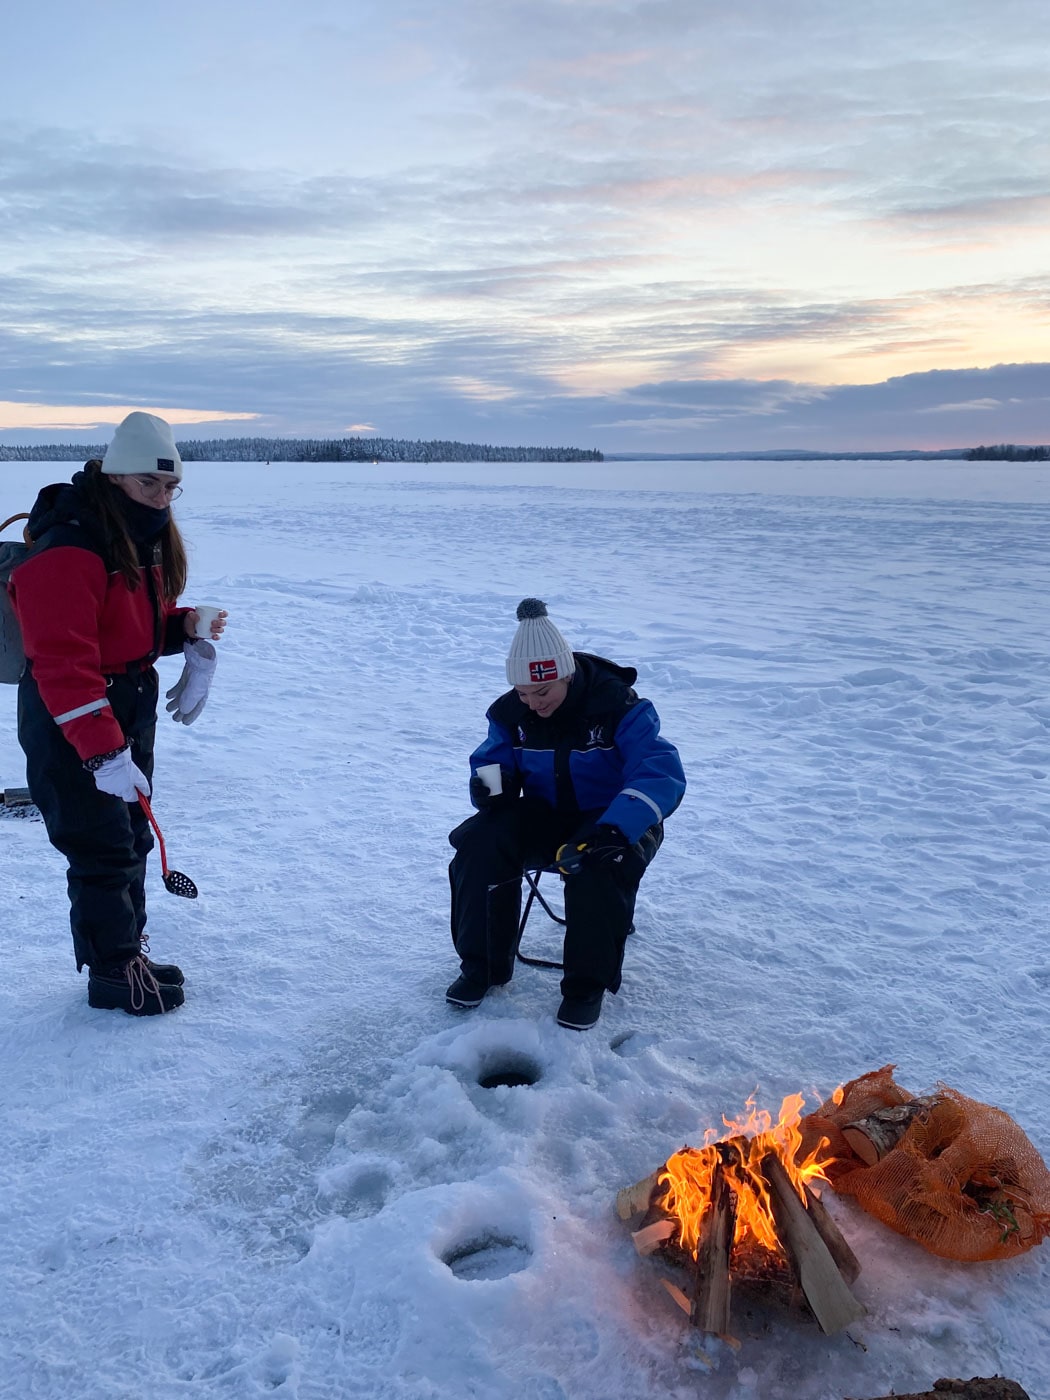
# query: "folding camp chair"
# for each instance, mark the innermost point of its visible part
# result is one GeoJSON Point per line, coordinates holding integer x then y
{"type": "Point", "coordinates": [536, 896]}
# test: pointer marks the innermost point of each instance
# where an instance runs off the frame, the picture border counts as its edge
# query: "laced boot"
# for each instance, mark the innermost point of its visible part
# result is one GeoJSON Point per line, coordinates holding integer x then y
{"type": "Point", "coordinates": [130, 986]}
{"type": "Point", "coordinates": [163, 972]}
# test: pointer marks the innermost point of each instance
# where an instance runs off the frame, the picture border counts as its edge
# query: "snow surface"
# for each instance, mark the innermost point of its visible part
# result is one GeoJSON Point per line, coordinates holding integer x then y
{"type": "Point", "coordinates": [296, 1185]}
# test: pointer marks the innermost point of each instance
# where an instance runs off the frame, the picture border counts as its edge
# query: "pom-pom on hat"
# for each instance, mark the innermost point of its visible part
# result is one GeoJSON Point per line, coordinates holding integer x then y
{"type": "Point", "coordinates": [142, 443]}
{"type": "Point", "coordinates": [538, 652]}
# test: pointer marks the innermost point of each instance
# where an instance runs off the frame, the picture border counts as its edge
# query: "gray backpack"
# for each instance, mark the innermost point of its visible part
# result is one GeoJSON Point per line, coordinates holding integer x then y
{"type": "Point", "coordinates": [12, 655]}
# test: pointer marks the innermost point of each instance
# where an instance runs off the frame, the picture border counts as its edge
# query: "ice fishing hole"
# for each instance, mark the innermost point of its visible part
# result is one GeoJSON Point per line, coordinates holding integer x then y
{"type": "Point", "coordinates": [515, 1071]}
{"type": "Point", "coordinates": [487, 1257]}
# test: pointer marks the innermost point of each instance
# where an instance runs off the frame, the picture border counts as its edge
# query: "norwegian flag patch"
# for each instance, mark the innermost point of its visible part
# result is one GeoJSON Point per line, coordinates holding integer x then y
{"type": "Point", "coordinates": [543, 671]}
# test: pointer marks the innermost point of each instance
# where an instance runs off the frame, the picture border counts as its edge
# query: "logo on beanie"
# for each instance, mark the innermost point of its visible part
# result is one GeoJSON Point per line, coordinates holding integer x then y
{"type": "Point", "coordinates": [543, 671]}
{"type": "Point", "coordinates": [165, 464]}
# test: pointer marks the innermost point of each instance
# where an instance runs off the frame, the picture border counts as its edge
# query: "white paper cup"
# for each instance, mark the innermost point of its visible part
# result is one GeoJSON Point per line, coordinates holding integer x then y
{"type": "Point", "coordinates": [491, 776]}
{"type": "Point", "coordinates": [207, 616]}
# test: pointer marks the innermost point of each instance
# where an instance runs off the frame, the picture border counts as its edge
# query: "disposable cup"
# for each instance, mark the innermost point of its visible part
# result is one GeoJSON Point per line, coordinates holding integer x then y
{"type": "Point", "coordinates": [207, 616]}
{"type": "Point", "coordinates": [491, 776]}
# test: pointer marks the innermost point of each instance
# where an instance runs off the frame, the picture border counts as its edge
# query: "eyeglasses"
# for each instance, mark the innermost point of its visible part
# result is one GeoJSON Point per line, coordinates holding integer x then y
{"type": "Point", "coordinates": [154, 485]}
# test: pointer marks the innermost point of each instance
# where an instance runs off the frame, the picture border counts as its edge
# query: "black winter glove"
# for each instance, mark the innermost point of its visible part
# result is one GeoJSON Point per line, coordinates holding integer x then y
{"type": "Point", "coordinates": [486, 801]}
{"type": "Point", "coordinates": [606, 845]}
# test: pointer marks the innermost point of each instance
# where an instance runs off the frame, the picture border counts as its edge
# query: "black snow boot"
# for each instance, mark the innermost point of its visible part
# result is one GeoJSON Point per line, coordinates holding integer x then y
{"type": "Point", "coordinates": [465, 993]}
{"type": "Point", "coordinates": [131, 986]}
{"type": "Point", "coordinates": [163, 972]}
{"type": "Point", "coordinates": [580, 1013]}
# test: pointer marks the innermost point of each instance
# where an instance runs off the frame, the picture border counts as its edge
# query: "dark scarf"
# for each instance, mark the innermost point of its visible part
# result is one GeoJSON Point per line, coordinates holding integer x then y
{"type": "Point", "coordinates": [144, 523]}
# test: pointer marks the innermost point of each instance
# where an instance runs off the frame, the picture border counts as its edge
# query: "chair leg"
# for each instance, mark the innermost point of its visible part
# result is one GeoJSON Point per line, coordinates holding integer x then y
{"type": "Point", "coordinates": [537, 893]}
{"type": "Point", "coordinates": [528, 903]}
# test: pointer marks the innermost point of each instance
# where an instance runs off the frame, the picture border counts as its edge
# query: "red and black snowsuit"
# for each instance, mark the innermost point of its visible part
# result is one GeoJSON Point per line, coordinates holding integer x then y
{"type": "Point", "coordinates": [88, 688]}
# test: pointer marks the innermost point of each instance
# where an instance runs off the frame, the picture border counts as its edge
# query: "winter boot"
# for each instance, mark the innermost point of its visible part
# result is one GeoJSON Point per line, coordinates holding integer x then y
{"type": "Point", "coordinates": [131, 986]}
{"type": "Point", "coordinates": [465, 993]}
{"type": "Point", "coordinates": [580, 1013]}
{"type": "Point", "coordinates": [163, 972]}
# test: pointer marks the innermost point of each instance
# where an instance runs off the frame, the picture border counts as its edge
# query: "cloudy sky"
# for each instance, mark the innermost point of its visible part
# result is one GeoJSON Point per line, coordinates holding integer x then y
{"type": "Point", "coordinates": [639, 225]}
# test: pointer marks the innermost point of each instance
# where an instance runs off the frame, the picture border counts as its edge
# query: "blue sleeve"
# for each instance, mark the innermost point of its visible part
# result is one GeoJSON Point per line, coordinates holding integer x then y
{"type": "Point", "coordinates": [653, 780]}
{"type": "Point", "coordinates": [498, 747]}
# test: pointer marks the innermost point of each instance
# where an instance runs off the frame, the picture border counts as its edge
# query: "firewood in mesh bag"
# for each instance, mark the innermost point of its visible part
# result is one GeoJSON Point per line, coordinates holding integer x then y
{"type": "Point", "coordinates": [958, 1176]}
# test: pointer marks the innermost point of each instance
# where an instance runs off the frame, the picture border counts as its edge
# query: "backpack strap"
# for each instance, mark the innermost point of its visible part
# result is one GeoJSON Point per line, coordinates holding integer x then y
{"type": "Point", "coordinates": [25, 531]}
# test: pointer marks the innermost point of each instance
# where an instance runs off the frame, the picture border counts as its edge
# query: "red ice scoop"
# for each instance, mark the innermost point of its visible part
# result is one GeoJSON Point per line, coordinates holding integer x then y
{"type": "Point", "coordinates": [174, 880]}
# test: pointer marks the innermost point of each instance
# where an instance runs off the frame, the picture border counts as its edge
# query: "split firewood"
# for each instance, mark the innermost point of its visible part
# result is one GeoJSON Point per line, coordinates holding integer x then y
{"type": "Point", "coordinates": [679, 1297]}
{"type": "Point", "coordinates": [634, 1200]}
{"type": "Point", "coordinates": [845, 1260]}
{"type": "Point", "coordinates": [712, 1284]}
{"type": "Point", "coordinates": [827, 1292]}
{"type": "Point", "coordinates": [872, 1137]}
{"type": "Point", "coordinates": [649, 1238]}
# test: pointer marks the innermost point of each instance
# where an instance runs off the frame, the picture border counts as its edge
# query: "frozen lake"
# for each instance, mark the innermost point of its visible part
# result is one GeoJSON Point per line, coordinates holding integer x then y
{"type": "Point", "coordinates": [295, 1185]}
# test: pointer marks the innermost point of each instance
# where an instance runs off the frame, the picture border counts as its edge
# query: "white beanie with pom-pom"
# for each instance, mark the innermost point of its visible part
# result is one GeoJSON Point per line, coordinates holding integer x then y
{"type": "Point", "coordinates": [538, 652]}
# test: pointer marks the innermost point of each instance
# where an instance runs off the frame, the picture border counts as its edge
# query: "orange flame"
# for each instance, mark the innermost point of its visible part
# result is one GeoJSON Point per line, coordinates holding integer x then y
{"type": "Point", "coordinates": [688, 1175]}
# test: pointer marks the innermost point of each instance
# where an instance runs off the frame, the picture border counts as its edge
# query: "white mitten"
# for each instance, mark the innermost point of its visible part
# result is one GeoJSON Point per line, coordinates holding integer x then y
{"type": "Point", "coordinates": [120, 777]}
{"type": "Point", "coordinates": [187, 696]}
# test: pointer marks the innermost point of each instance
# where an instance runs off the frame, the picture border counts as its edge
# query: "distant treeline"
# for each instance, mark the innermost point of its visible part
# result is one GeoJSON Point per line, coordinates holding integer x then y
{"type": "Point", "coordinates": [51, 452]}
{"type": "Point", "coordinates": [349, 449]}
{"type": "Point", "coordinates": [1008, 452]}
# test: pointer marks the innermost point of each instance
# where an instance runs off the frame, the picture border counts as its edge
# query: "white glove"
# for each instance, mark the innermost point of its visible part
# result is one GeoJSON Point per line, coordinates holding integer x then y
{"type": "Point", "coordinates": [187, 696]}
{"type": "Point", "coordinates": [120, 777]}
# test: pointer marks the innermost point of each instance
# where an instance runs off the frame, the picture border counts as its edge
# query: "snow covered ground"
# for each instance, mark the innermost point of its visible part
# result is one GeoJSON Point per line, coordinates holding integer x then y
{"type": "Point", "coordinates": [296, 1185]}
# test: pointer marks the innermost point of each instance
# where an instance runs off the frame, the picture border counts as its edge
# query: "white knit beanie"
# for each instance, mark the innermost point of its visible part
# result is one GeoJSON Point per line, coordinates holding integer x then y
{"type": "Point", "coordinates": [142, 443]}
{"type": "Point", "coordinates": [538, 652]}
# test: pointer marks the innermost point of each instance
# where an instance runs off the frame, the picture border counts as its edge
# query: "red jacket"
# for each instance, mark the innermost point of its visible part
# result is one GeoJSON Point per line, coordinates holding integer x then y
{"type": "Point", "coordinates": [81, 622]}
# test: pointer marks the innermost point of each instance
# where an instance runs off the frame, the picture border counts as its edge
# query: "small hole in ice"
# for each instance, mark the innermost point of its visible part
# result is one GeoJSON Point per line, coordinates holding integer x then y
{"type": "Point", "coordinates": [488, 1257]}
{"type": "Point", "coordinates": [515, 1071]}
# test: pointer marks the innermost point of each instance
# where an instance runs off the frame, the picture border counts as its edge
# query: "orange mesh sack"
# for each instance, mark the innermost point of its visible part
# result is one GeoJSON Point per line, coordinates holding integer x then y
{"type": "Point", "coordinates": [956, 1175]}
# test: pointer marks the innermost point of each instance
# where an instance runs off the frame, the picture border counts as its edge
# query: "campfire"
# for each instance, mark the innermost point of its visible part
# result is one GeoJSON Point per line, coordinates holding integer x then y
{"type": "Point", "coordinates": [742, 1211]}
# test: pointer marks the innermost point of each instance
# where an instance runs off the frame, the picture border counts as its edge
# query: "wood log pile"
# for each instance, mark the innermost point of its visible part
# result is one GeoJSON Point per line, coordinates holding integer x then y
{"type": "Point", "coordinates": [958, 1176]}
{"type": "Point", "coordinates": [812, 1266]}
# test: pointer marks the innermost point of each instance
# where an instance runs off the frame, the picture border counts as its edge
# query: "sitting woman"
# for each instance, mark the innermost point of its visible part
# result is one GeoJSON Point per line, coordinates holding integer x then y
{"type": "Point", "coordinates": [586, 782]}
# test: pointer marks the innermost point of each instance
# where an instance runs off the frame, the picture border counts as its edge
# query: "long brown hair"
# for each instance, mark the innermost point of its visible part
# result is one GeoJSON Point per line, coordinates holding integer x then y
{"type": "Point", "coordinates": [104, 499]}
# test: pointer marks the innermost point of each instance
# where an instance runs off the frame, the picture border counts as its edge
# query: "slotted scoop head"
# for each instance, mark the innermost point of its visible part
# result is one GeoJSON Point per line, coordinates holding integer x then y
{"type": "Point", "coordinates": [177, 883]}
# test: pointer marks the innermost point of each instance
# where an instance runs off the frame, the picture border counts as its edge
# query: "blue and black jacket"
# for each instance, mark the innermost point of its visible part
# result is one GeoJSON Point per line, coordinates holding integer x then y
{"type": "Point", "coordinates": [599, 757]}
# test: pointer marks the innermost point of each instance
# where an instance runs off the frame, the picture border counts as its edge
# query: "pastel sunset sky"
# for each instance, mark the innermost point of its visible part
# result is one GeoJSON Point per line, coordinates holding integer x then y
{"type": "Point", "coordinates": [638, 225]}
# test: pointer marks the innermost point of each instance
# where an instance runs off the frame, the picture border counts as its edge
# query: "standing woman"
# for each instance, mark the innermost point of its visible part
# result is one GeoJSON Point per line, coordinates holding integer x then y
{"type": "Point", "coordinates": [96, 601]}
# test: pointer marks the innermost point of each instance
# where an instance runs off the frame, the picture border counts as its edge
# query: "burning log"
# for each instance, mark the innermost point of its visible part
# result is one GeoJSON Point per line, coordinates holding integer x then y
{"type": "Point", "coordinates": [741, 1211]}
{"type": "Point", "coordinates": [711, 1279]}
{"type": "Point", "coordinates": [827, 1292]}
{"type": "Point", "coordinates": [847, 1262]}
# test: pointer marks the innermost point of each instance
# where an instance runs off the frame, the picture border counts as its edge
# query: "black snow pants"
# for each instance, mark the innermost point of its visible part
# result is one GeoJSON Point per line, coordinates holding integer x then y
{"type": "Point", "coordinates": [493, 848]}
{"type": "Point", "coordinates": [104, 839]}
